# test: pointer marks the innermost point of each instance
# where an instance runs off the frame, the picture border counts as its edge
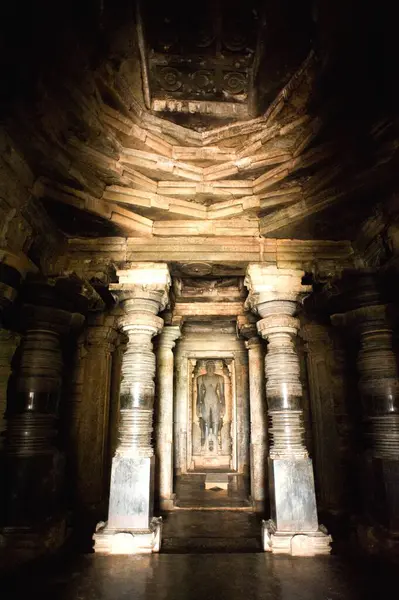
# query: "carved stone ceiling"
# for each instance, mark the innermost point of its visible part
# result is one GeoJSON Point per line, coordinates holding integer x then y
{"type": "Point", "coordinates": [227, 118]}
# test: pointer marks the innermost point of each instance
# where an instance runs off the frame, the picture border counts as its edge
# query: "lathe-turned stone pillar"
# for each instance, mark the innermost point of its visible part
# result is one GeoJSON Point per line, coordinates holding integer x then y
{"type": "Point", "coordinates": [131, 528]}
{"type": "Point", "coordinates": [379, 391]}
{"type": "Point", "coordinates": [34, 462]}
{"type": "Point", "coordinates": [257, 406]}
{"type": "Point", "coordinates": [293, 529]}
{"type": "Point", "coordinates": [13, 269]}
{"type": "Point", "coordinates": [164, 430]}
{"type": "Point", "coordinates": [89, 419]}
{"type": "Point", "coordinates": [8, 344]}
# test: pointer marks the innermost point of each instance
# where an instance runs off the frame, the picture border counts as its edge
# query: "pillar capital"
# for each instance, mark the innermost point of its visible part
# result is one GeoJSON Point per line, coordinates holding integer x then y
{"type": "Point", "coordinates": [248, 331]}
{"type": "Point", "coordinates": [278, 324]}
{"type": "Point", "coordinates": [101, 337]}
{"type": "Point", "coordinates": [364, 317]}
{"type": "Point", "coordinates": [315, 334]}
{"type": "Point", "coordinates": [168, 337]}
{"type": "Point", "coordinates": [267, 283]}
{"type": "Point", "coordinates": [145, 283]}
{"type": "Point", "coordinates": [14, 267]}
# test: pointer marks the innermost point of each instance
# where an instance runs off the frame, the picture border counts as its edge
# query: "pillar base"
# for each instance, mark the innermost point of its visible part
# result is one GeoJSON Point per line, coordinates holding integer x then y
{"type": "Point", "coordinates": [166, 504]}
{"type": "Point", "coordinates": [128, 541]}
{"type": "Point", "coordinates": [377, 540]}
{"type": "Point", "coordinates": [19, 545]}
{"type": "Point", "coordinates": [312, 543]}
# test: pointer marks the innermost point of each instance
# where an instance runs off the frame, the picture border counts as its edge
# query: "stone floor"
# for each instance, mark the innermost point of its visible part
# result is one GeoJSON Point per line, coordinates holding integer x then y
{"type": "Point", "coordinates": [191, 493]}
{"type": "Point", "coordinates": [186, 531]}
{"type": "Point", "coordinates": [203, 577]}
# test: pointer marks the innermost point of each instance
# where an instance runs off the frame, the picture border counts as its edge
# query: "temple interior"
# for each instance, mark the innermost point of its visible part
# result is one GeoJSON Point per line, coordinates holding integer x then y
{"type": "Point", "coordinates": [199, 299]}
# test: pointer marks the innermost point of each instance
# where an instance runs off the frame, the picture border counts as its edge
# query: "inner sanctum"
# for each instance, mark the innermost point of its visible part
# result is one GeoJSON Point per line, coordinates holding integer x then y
{"type": "Point", "coordinates": [199, 255]}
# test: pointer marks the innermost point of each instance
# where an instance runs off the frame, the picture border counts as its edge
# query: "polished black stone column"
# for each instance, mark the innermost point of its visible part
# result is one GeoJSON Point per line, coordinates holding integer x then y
{"type": "Point", "coordinates": [366, 318]}
{"type": "Point", "coordinates": [34, 462]}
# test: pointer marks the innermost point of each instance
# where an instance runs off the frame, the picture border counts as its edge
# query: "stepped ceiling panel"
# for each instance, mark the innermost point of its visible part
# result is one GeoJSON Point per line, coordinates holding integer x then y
{"type": "Point", "coordinates": [220, 121]}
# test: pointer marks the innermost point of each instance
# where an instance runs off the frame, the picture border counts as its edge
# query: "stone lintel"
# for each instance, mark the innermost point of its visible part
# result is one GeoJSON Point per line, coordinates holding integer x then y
{"type": "Point", "coordinates": [199, 309]}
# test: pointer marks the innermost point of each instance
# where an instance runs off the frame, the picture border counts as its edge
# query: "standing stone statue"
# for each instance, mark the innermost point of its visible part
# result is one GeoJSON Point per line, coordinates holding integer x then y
{"type": "Point", "coordinates": [210, 405]}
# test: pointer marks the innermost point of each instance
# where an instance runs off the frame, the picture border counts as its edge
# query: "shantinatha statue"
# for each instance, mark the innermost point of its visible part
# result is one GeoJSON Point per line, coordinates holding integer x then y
{"type": "Point", "coordinates": [210, 404]}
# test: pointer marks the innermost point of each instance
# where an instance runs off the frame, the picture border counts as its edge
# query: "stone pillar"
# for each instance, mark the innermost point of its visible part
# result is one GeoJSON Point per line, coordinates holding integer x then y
{"type": "Point", "coordinates": [257, 405]}
{"type": "Point", "coordinates": [131, 528]}
{"type": "Point", "coordinates": [89, 427]}
{"type": "Point", "coordinates": [293, 529]}
{"type": "Point", "coordinates": [13, 269]}
{"type": "Point", "coordinates": [34, 464]}
{"type": "Point", "coordinates": [164, 431]}
{"type": "Point", "coordinates": [180, 410]}
{"type": "Point", "coordinates": [320, 358]}
{"type": "Point", "coordinates": [370, 320]}
{"type": "Point", "coordinates": [8, 344]}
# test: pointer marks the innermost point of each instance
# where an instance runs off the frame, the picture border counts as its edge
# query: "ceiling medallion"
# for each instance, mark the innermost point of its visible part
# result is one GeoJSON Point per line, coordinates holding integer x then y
{"type": "Point", "coordinates": [169, 79]}
{"type": "Point", "coordinates": [203, 79]}
{"type": "Point", "coordinates": [196, 269]}
{"type": "Point", "coordinates": [235, 82]}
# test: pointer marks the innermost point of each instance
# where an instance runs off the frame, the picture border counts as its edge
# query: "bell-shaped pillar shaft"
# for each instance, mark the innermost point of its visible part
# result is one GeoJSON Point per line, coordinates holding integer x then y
{"type": "Point", "coordinates": [275, 294]}
{"type": "Point", "coordinates": [131, 528]}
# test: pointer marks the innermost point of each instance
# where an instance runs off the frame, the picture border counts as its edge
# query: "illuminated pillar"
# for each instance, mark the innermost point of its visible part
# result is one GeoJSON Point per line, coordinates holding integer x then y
{"type": "Point", "coordinates": [293, 529]}
{"type": "Point", "coordinates": [131, 527]}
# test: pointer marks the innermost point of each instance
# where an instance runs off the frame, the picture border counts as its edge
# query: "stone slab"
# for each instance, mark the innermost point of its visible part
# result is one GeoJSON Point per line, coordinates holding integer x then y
{"type": "Point", "coordinates": [217, 480]}
{"type": "Point", "coordinates": [131, 495]}
{"type": "Point", "coordinates": [292, 495]}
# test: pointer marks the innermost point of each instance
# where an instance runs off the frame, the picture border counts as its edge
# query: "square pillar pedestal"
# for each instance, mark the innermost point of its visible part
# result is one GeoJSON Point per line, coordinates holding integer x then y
{"type": "Point", "coordinates": [131, 527]}
{"type": "Point", "coordinates": [293, 528]}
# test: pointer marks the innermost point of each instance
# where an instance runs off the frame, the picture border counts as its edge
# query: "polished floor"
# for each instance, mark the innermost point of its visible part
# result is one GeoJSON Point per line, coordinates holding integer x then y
{"type": "Point", "coordinates": [203, 577]}
{"type": "Point", "coordinates": [191, 493]}
{"type": "Point", "coordinates": [201, 531]}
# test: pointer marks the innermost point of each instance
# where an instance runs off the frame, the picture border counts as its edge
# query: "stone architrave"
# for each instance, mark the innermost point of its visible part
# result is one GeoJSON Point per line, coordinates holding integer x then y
{"type": "Point", "coordinates": [89, 425]}
{"type": "Point", "coordinates": [164, 431]}
{"type": "Point", "coordinates": [131, 527]}
{"type": "Point", "coordinates": [257, 405]}
{"type": "Point", "coordinates": [320, 357]}
{"type": "Point", "coordinates": [293, 529]}
{"type": "Point", "coordinates": [8, 344]}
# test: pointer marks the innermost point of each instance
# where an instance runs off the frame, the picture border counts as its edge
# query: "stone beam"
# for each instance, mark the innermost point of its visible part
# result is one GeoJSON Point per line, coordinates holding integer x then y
{"type": "Point", "coordinates": [205, 309]}
{"type": "Point", "coordinates": [234, 251]}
